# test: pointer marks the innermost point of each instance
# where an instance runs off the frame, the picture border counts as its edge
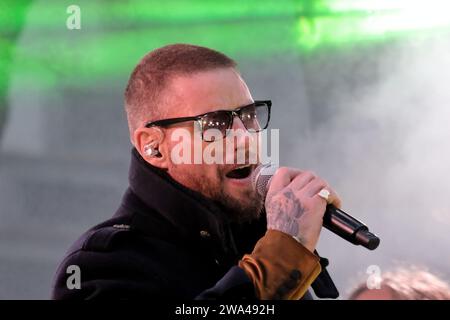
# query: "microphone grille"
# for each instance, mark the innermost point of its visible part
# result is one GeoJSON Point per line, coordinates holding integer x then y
{"type": "Point", "coordinates": [261, 178]}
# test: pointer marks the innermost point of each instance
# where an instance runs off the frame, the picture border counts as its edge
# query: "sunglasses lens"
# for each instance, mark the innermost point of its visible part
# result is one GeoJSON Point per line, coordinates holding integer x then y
{"type": "Point", "coordinates": [255, 118]}
{"type": "Point", "coordinates": [215, 125]}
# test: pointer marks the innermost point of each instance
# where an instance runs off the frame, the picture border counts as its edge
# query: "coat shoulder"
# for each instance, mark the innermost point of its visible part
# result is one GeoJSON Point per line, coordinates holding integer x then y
{"type": "Point", "coordinates": [104, 238]}
{"type": "Point", "coordinates": [109, 260]}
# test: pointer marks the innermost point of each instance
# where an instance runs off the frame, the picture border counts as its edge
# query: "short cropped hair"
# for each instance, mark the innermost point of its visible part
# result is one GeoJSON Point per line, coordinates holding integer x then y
{"type": "Point", "coordinates": [144, 94]}
{"type": "Point", "coordinates": [411, 283]}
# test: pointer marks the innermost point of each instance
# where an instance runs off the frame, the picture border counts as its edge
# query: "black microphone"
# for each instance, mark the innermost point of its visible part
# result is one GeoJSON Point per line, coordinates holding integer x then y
{"type": "Point", "coordinates": [334, 219]}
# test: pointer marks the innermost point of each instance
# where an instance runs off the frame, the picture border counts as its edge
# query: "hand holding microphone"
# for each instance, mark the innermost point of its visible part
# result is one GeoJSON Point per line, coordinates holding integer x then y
{"type": "Point", "coordinates": [294, 207]}
{"type": "Point", "coordinates": [299, 203]}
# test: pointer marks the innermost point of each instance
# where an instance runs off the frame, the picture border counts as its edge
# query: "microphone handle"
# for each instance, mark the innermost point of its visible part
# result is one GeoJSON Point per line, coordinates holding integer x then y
{"type": "Point", "coordinates": [349, 228]}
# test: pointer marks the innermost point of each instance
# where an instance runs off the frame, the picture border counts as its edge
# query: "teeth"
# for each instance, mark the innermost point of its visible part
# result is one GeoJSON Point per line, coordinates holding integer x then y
{"type": "Point", "coordinates": [243, 166]}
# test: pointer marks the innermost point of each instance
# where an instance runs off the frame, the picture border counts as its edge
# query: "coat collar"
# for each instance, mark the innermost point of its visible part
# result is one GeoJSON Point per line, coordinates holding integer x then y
{"type": "Point", "coordinates": [190, 213]}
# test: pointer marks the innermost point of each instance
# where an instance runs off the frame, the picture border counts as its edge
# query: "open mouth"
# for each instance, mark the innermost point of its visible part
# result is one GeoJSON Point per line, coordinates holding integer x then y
{"type": "Point", "coordinates": [241, 172]}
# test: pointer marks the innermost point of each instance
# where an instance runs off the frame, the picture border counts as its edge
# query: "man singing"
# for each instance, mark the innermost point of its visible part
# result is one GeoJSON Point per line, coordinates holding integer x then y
{"type": "Point", "coordinates": [199, 230]}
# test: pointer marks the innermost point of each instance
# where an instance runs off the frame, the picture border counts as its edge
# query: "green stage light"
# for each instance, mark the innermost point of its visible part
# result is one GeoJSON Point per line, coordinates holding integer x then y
{"type": "Point", "coordinates": [37, 48]}
{"type": "Point", "coordinates": [357, 21]}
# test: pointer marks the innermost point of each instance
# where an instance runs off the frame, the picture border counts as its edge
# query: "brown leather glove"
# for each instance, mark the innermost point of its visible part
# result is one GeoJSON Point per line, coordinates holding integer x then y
{"type": "Point", "coordinates": [280, 267]}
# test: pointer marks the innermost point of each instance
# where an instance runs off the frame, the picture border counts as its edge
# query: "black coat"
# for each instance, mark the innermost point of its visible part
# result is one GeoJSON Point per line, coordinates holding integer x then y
{"type": "Point", "coordinates": [165, 241]}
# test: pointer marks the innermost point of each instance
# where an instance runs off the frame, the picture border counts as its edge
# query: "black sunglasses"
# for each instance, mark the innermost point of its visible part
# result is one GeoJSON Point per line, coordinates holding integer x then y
{"type": "Point", "coordinates": [255, 117]}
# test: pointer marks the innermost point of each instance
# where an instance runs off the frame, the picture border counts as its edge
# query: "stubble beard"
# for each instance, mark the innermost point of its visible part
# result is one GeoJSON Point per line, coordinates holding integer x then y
{"type": "Point", "coordinates": [246, 209]}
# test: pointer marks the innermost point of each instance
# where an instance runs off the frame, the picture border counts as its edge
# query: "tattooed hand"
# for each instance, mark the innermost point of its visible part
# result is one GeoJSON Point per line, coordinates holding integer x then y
{"type": "Point", "coordinates": [293, 206]}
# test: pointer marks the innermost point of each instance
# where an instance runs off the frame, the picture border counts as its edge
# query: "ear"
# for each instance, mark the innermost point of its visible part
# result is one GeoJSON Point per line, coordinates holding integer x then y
{"type": "Point", "coordinates": [149, 142]}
